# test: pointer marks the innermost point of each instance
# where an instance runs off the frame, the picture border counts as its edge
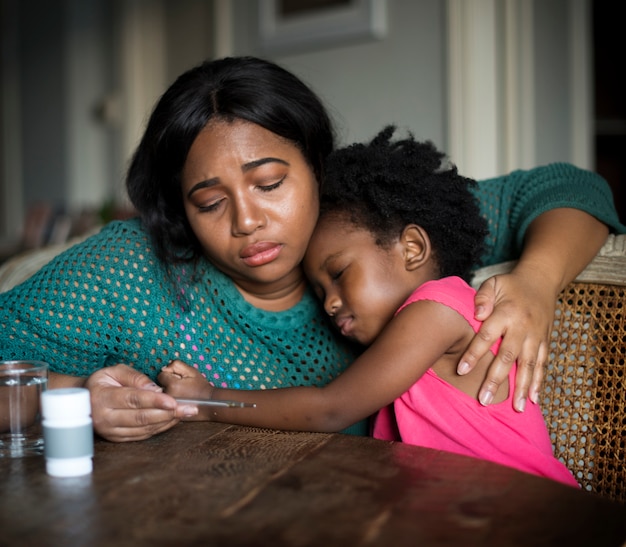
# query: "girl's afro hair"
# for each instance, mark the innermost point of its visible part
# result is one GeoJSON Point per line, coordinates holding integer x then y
{"type": "Point", "coordinates": [383, 186]}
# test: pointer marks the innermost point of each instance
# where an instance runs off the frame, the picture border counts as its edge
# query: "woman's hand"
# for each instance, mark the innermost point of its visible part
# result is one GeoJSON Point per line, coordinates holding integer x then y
{"type": "Point", "coordinates": [519, 306]}
{"type": "Point", "coordinates": [521, 311]}
{"type": "Point", "coordinates": [127, 406]}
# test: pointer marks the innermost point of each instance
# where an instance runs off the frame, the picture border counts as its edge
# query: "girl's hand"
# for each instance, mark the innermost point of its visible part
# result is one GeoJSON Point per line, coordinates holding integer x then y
{"type": "Point", "coordinates": [127, 406]}
{"type": "Point", "coordinates": [520, 309]}
{"type": "Point", "coordinates": [181, 380]}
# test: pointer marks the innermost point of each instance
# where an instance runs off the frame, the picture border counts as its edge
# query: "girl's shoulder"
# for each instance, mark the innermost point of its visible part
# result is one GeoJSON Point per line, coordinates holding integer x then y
{"type": "Point", "coordinates": [452, 292]}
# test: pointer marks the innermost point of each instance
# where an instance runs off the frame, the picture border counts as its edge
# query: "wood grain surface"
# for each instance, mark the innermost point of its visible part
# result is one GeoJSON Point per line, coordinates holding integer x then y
{"type": "Point", "coordinates": [215, 484]}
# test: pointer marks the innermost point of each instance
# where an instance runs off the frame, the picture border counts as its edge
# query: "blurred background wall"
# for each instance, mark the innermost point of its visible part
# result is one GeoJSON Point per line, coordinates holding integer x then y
{"type": "Point", "coordinates": [498, 84]}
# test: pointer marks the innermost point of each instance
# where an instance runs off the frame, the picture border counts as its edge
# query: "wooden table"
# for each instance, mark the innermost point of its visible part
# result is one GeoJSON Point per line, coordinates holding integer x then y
{"type": "Point", "coordinates": [214, 484]}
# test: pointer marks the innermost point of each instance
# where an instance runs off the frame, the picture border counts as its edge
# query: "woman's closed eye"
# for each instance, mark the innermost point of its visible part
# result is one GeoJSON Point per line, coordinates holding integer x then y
{"type": "Point", "coordinates": [210, 207]}
{"type": "Point", "coordinates": [215, 203]}
{"type": "Point", "coordinates": [272, 186]}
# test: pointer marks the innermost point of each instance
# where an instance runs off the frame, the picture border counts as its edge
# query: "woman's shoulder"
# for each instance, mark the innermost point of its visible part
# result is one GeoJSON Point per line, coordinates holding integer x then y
{"type": "Point", "coordinates": [118, 239]}
{"type": "Point", "coordinates": [118, 247]}
{"type": "Point", "coordinates": [83, 251]}
{"type": "Point", "coordinates": [131, 229]}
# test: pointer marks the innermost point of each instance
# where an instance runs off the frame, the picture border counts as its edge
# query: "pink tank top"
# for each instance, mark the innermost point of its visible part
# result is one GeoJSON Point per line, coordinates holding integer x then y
{"type": "Point", "coordinates": [434, 414]}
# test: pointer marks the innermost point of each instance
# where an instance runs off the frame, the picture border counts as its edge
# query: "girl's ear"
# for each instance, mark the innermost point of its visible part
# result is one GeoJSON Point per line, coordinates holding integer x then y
{"type": "Point", "coordinates": [417, 247]}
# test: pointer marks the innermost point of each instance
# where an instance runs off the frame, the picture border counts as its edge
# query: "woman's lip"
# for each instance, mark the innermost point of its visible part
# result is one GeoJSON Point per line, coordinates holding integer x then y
{"type": "Point", "coordinates": [262, 253]}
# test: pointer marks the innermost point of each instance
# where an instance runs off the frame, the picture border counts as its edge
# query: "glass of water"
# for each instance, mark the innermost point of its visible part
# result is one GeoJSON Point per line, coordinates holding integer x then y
{"type": "Point", "coordinates": [21, 385]}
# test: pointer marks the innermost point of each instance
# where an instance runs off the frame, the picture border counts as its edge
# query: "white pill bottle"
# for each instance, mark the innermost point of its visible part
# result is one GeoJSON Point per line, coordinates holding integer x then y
{"type": "Point", "coordinates": [67, 431]}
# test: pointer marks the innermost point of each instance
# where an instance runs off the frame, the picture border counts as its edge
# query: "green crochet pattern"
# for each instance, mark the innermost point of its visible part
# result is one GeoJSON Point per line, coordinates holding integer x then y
{"type": "Point", "coordinates": [510, 203]}
{"type": "Point", "coordinates": [107, 300]}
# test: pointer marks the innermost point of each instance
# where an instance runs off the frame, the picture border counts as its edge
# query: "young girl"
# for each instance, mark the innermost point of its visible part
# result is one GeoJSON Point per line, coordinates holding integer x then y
{"type": "Point", "coordinates": [398, 235]}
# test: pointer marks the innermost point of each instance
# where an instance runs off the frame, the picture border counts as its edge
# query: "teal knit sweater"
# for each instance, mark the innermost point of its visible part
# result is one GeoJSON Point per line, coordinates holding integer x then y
{"type": "Point", "coordinates": [510, 203]}
{"type": "Point", "coordinates": [108, 299]}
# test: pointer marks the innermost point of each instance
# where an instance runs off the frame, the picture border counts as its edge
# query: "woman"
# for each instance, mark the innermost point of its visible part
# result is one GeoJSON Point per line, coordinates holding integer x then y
{"type": "Point", "coordinates": [225, 183]}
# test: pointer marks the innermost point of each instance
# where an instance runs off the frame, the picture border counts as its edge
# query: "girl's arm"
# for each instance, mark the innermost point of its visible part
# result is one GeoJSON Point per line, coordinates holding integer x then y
{"type": "Point", "coordinates": [520, 306]}
{"type": "Point", "coordinates": [418, 337]}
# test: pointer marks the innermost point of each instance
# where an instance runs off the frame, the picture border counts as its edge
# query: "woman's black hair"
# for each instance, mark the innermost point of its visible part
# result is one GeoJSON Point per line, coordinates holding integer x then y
{"type": "Point", "coordinates": [233, 88]}
{"type": "Point", "coordinates": [383, 186]}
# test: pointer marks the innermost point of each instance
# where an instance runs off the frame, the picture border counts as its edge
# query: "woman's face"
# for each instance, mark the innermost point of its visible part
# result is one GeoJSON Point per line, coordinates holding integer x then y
{"type": "Point", "coordinates": [252, 201]}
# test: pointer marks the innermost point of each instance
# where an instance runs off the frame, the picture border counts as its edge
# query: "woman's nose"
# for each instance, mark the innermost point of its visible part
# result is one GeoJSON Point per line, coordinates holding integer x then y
{"type": "Point", "coordinates": [247, 217]}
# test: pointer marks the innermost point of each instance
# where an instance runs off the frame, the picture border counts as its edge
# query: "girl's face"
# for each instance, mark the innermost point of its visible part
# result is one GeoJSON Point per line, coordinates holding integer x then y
{"type": "Point", "coordinates": [360, 283]}
{"type": "Point", "coordinates": [252, 201]}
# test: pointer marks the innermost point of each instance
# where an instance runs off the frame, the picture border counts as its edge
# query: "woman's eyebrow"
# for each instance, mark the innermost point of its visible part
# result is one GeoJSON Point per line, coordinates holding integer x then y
{"type": "Point", "coordinates": [261, 161]}
{"type": "Point", "coordinates": [202, 184]}
{"type": "Point", "coordinates": [248, 166]}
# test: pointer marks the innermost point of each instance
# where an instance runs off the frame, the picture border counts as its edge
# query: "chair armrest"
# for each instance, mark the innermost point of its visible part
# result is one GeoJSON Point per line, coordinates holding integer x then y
{"type": "Point", "coordinates": [608, 266]}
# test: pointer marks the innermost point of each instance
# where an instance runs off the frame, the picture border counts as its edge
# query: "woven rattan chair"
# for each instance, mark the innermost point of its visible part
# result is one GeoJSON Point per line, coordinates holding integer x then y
{"type": "Point", "coordinates": [584, 394]}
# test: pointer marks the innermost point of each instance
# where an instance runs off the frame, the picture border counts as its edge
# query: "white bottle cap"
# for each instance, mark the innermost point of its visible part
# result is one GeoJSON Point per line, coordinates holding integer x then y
{"type": "Point", "coordinates": [64, 403]}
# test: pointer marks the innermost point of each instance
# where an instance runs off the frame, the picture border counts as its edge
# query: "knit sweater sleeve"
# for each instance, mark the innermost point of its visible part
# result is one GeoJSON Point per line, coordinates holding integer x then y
{"type": "Point", "coordinates": [510, 203]}
{"type": "Point", "coordinates": [75, 313]}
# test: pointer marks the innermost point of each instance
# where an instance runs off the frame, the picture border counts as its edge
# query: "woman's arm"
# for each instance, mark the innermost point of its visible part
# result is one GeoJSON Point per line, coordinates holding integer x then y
{"type": "Point", "coordinates": [520, 305]}
{"type": "Point", "coordinates": [125, 404]}
{"type": "Point", "coordinates": [56, 380]}
{"type": "Point", "coordinates": [128, 406]}
{"type": "Point", "coordinates": [37, 316]}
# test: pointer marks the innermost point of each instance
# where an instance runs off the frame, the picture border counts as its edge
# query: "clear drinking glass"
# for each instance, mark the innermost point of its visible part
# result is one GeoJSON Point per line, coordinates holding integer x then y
{"type": "Point", "coordinates": [21, 385]}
